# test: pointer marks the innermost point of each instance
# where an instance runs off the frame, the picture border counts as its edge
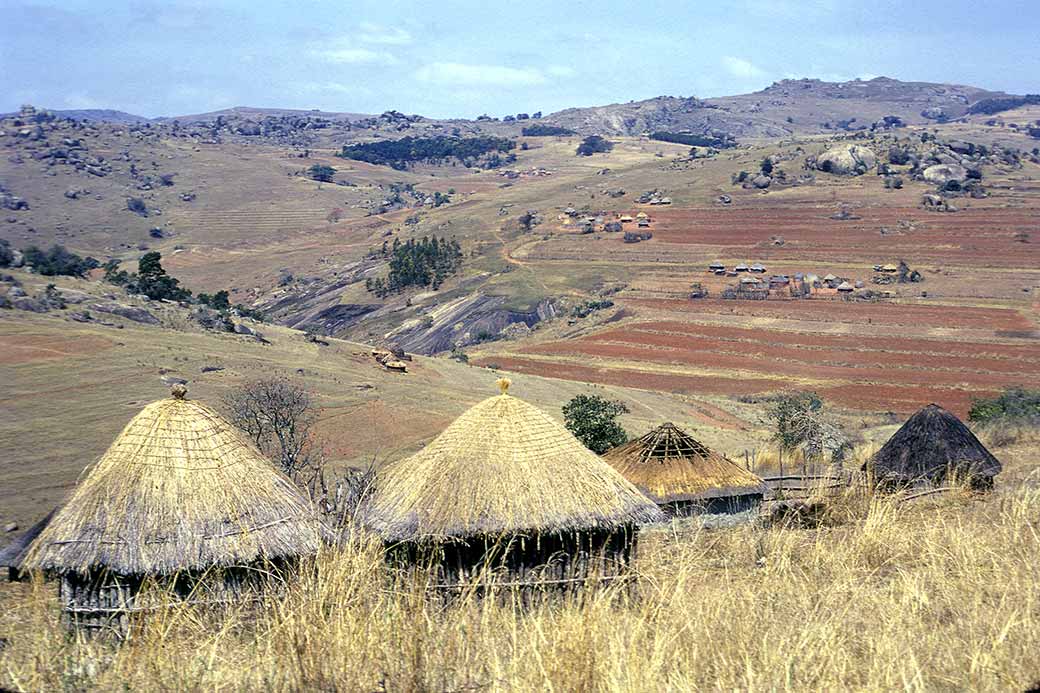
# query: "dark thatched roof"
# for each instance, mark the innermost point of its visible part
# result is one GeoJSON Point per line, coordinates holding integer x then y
{"type": "Point", "coordinates": [503, 467]}
{"type": "Point", "coordinates": [669, 465]}
{"type": "Point", "coordinates": [13, 555]}
{"type": "Point", "coordinates": [179, 489]}
{"type": "Point", "coordinates": [928, 446]}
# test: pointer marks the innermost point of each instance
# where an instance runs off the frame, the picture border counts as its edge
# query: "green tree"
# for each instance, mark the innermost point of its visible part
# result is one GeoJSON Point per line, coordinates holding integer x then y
{"type": "Point", "coordinates": [321, 172]}
{"type": "Point", "coordinates": [153, 282]}
{"type": "Point", "coordinates": [799, 423]}
{"type": "Point", "coordinates": [593, 420]}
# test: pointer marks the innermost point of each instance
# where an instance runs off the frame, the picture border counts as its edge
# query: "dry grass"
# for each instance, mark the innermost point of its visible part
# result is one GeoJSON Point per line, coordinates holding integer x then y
{"type": "Point", "coordinates": [933, 594]}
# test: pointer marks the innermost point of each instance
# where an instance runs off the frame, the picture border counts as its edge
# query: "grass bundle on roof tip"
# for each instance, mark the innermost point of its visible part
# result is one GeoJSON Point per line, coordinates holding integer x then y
{"type": "Point", "coordinates": [179, 489]}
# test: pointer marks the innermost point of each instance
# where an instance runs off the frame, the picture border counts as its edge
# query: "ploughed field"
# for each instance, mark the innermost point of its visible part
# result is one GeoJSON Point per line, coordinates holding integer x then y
{"type": "Point", "coordinates": [969, 329]}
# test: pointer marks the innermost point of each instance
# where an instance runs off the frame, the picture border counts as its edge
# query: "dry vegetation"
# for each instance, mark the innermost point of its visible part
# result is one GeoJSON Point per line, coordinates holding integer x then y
{"type": "Point", "coordinates": [936, 594]}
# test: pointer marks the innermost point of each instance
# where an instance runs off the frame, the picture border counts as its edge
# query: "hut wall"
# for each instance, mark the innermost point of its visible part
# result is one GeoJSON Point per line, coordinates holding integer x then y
{"type": "Point", "coordinates": [564, 560]}
{"type": "Point", "coordinates": [724, 505]}
{"type": "Point", "coordinates": [105, 601]}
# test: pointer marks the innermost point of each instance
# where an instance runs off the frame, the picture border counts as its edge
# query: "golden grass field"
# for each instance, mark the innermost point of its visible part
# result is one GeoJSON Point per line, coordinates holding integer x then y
{"type": "Point", "coordinates": [930, 595]}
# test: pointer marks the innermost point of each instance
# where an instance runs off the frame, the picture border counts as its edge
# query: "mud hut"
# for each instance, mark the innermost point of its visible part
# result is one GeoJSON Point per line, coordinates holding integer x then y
{"type": "Point", "coordinates": [506, 488]}
{"type": "Point", "coordinates": [933, 448]}
{"type": "Point", "coordinates": [685, 477]}
{"type": "Point", "coordinates": [179, 496]}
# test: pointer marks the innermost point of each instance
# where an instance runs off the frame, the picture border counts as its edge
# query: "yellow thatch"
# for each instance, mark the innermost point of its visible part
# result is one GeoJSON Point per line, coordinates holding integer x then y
{"type": "Point", "coordinates": [179, 489]}
{"type": "Point", "coordinates": [670, 466]}
{"type": "Point", "coordinates": [504, 466]}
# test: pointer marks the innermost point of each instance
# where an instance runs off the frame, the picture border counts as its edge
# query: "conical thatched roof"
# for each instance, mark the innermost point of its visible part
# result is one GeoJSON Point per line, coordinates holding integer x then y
{"type": "Point", "coordinates": [669, 465]}
{"type": "Point", "coordinates": [179, 489]}
{"type": "Point", "coordinates": [931, 442]}
{"type": "Point", "coordinates": [502, 467]}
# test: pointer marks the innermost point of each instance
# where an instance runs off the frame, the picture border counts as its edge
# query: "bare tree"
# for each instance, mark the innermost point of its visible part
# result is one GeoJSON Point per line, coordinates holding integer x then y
{"type": "Point", "coordinates": [279, 415]}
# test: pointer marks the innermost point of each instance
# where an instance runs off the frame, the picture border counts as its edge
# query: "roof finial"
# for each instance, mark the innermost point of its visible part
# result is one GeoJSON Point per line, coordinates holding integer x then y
{"type": "Point", "coordinates": [503, 384]}
{"type": "Point", "coordinates": [179, 390]}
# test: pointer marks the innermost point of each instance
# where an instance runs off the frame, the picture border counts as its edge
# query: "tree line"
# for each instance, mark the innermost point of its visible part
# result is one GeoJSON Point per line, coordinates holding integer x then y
{"type": "Point", "coordinates": [399, 154]}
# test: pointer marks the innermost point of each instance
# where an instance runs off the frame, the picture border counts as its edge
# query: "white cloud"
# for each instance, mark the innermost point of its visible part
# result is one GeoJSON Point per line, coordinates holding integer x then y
{"type": "Point", "coordinates": [480, 75]}
{"type": "Point", "coordinates": [742, 69]}
{"type": "Point", "coordinates": [345, 55]}
{"type": "Point", "coordinates": [560, 71]}
{"type": "Point", "coordinates": [387, 36]}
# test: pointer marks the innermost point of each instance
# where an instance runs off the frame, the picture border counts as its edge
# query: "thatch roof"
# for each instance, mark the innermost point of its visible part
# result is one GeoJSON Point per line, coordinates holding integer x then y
{"type": "Point", "coordinates": [502, 467]}
{"type": "Point", "coordinates": [13, 555]}
{"type": "Point", "coordinates": [179, 489]}
{"type": "Point", "coordinates": [931, 442]}
{"type": "Point", "coordinates": [669, 465]}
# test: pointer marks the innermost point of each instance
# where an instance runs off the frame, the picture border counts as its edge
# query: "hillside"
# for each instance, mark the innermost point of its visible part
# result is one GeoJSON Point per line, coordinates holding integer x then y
{"type": "Point", "coordinates": [545, 284]}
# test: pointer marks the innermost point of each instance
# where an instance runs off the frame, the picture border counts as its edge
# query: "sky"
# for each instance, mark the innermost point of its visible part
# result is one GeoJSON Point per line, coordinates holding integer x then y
{"type": "Point", "coordinates": [463, 59]}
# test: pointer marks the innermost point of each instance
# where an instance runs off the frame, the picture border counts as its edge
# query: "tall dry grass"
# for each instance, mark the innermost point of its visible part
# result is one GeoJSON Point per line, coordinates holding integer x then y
{"type": "Point", "coordinates": [941, 593]}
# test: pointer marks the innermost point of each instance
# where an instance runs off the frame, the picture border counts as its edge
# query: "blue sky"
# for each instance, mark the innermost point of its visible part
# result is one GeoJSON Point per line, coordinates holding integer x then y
{"type": "Point", "coordinates": [454, 58]}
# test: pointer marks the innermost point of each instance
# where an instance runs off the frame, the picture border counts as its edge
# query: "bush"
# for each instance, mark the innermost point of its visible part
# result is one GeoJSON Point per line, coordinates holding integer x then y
{"type": "Point", "coordinates": [219, 300]}
{"type": "Point", "coordinates": [1015, 405]}
{"type": "Point", "coordinates": [427, 263]}
{"type": "Point", "coordinates": [593, 420]}
{"type": "Point", "coordinates": [137, 206]}
{"type": "Point", "coordinates": [6, 254]}
{"type": "Point", "coordinates": [58, 261]}
{"type": "Point", "coordinates": [322, 173]}
{"type": "Point", "coordinates": [594, 144]}
{"type": "Point", "coordinates": [544, 130]}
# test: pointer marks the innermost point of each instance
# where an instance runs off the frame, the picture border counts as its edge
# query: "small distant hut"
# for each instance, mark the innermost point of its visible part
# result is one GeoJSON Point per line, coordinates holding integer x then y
{"type": "Point", "coordinates": [757, 268]}
{"type": "Point", "coordinates": [685, 477]}
{"type": "Point", "coordinates": [506, 488]}
{"type": "Point", "coordinates": [612, 226]}
{"type": "Point", "coordinates": [932, 448]}
{"type": "Point", "coordinates": [642, 215]}
{"type": "Point", "coordinates": [625, 218]}
{"type": "Point", "coordinates": [831, 281]}
{"type": "Point", "coordinates": [181, 498]}
{"type": "Point", "coordinates": [643, 223]}
{"type": "Point", "coordinates": [716, 267]}
{"type": "Point", "coordinates": [741, 268]}
{"type": "Point", "coordinates": [845, 288]}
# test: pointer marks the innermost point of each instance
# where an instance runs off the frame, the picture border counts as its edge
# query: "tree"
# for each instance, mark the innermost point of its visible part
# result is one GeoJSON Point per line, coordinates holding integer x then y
{"type": "Point", "coordinates": [278, 415]}
{"type": "Point", "coordinates": [799, 423]}
{"type": "Point", "coordinates": [594, 144]}
{"type": "Point", "coordinates": [593, 420]}
{"type": "Point", "coordinates": [58, 261]}
{"type": "Point", "coordinates": [767, 166]}
{"type": "Point", "coordinates": [137, 206]}
{"type": "Point", "coordinates": [321, 172]}
{"type": "Point", "coordinates": [153, 282]}
{"type": "Point", "coordinates": [6, 254]}
{"type": "Point", "coordinates": [219, 301]}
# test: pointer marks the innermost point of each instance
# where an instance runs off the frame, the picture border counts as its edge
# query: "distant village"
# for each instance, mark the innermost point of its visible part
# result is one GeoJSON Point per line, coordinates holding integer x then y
{"type": "Point", "coordinates": [752, 282]}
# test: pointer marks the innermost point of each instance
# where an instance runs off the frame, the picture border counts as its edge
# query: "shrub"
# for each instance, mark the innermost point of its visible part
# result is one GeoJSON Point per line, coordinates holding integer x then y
{"type": "Point", "coordinates": [219, 300]}
{"type": "Point", "coordinates": [58, 261]}
{"type": "Point", "coordinates": [137, 206]}
{"type": "Point", "coordinates": [693, 140]}
{"type": "Point", "coordinates": [594, 144]}
{"type": "Point", "coordinates": [593, 420]}
{"type": "Point", "coordinates": [1015, 405]}
{"type": "Point", "coordinates": [322, 173]}
{"type": "Point", "coordinates": [6, 254]}
{"type": "Point", "coordinates": [545, 130]}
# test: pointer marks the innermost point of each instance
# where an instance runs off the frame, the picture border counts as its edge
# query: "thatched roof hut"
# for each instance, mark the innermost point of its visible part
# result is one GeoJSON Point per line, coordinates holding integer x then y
{"type": "Point", "coordinates": [684, 476]}
{"type": "Point", "coordinates": [179, 489]}
{"type": "Point", "coordinates": [506, 470]}
{"type": "Point", "coordinates": [931, 447]}
{"type": "Point", "coordinates": [183, 498]}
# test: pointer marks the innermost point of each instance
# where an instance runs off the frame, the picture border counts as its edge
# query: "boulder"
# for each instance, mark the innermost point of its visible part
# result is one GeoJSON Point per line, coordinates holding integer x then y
{"type": "Point", "coordinates": [132, 313]}
{"type": "Point", "coordinates": [847, 160]}
{"type": "Point", "coordinates": [762, 182]}
{"type": "Point", "coordinates": [942, 174]}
